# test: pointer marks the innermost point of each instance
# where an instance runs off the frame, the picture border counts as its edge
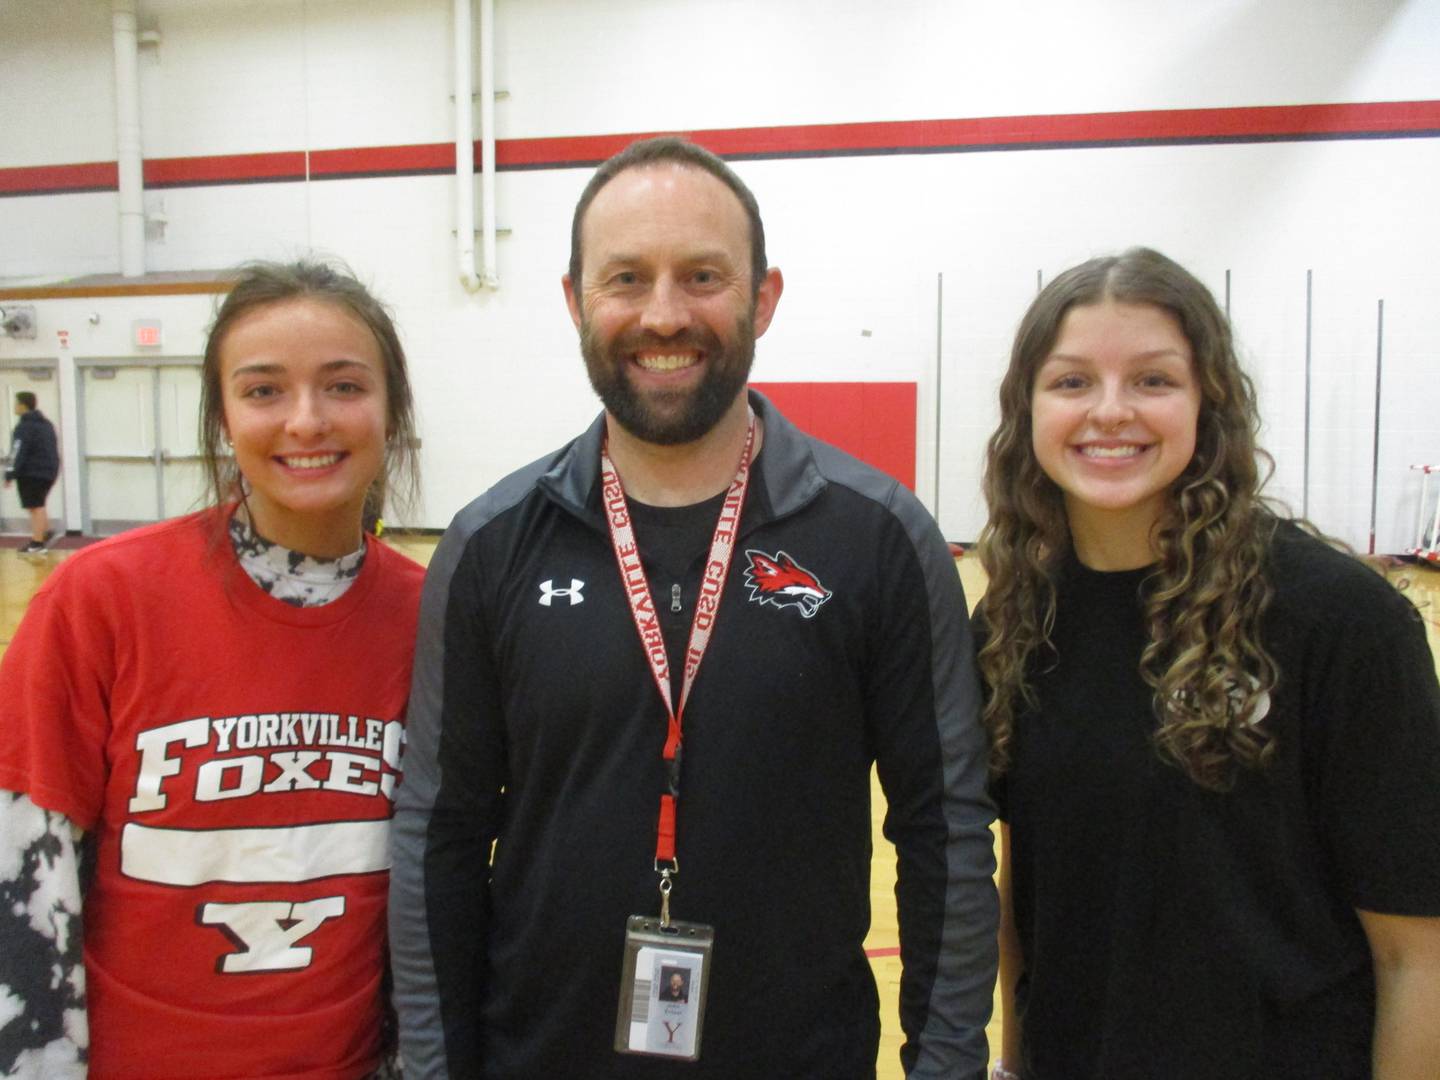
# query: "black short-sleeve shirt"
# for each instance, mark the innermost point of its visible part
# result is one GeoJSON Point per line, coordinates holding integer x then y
{"type": "Point", "coordinates": [1169, 931]}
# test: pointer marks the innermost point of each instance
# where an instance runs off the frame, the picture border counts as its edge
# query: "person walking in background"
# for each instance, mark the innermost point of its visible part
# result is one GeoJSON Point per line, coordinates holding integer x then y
{"type": "Point", "coordinates": [1215, 738]}
{"type": "Point", "coordinates": [208, 714]}
{"type": "Point", "coordinates": [619, 709]}
{"type": "Point", "coordinates": [34, 465]}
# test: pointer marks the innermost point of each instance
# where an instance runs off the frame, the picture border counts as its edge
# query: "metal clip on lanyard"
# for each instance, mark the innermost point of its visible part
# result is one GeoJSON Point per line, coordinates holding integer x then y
{"type": "Point", "coordinates": [652, 640]}
{"type": "Point", "coordinates": [665, 886]}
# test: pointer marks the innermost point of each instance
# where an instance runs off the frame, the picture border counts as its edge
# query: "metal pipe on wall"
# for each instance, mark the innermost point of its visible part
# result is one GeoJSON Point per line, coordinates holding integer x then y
{"type": "Point", "coordinates": [939, 371]}
{"type": "Point", "coordinates": [1309, 323]}
{"type": "Point", "coordinates": [1375, 450]}
{"type": "Point", "coordinates": [464, 150]}
{"type": "Point", "coordinates": [127, 138]}
{"type": "Point", "coordinates": [487, 145]}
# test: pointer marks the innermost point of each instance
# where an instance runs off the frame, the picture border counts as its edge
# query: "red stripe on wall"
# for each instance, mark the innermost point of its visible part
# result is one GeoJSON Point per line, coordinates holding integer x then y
{"type": "Point", "coordinates": [1262, 122]}
{"type": "Point", "coordinates": [225, 169]}
{"type": "Point", "coordinates": [1376, 119]}
{"type": "Point", "coordinates": [875, 421]}
{"type": "Point", "coordinates": [564, 150]}
{"type": "Point", "coordinates": [53, 179]}
{"type": "Point", "coordinates": [389, 160]}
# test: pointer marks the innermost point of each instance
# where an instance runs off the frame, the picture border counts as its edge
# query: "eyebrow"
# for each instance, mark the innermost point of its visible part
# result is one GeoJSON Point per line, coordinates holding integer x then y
{"type": "Point", "coordinates": [277, 369]}
{"type": "Point", "coordinates": [1154, 354]}
{"type": "Point", "coordinates": [707, 255]}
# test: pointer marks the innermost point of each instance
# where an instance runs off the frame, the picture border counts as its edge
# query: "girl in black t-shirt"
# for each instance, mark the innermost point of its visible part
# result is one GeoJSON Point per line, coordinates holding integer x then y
{"type": "Point", "coordinates": [1204, 722]}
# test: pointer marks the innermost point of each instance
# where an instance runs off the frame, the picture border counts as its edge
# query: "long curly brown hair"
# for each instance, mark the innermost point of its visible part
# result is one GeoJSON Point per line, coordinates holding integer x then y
{"type": "Point", "coordinates": [1205, 597]}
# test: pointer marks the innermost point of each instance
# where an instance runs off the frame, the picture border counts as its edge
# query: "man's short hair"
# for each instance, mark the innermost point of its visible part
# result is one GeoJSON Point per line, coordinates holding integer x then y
{"type": "Point", "coordinates": [673, 150]}
{"type": "Point", "coordinates": [26, 398]}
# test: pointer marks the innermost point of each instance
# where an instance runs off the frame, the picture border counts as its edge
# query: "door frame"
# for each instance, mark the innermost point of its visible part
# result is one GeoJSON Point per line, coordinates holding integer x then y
{"type": "Point", "coordinates": [158, 457]}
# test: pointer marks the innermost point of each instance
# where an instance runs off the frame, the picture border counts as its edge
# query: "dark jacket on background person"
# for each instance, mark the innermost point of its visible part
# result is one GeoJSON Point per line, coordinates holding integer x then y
{"type": "Point", "coordinates": [33, 449]}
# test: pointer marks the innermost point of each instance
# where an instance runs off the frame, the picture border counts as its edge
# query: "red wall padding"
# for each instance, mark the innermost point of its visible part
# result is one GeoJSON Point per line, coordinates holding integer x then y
{"type": "Point", "coordinates": [875, 421]}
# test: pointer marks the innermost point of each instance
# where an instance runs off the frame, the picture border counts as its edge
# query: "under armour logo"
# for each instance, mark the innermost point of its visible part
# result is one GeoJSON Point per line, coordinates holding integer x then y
{"type": "Point", "coordinates": [548, 592]}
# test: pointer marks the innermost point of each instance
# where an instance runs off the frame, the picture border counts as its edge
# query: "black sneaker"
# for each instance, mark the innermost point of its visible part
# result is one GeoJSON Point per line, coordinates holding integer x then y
{"type": "Point", "coordinates": [34, 547]}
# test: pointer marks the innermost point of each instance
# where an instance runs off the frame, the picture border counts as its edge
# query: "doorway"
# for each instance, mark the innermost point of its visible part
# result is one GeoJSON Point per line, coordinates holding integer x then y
{"type": "Point", "coordinates": [139, 442]}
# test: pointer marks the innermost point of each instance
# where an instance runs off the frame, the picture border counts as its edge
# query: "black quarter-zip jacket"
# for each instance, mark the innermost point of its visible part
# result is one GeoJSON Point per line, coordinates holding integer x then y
{"type": "Point", "coordinates": [535, 725]}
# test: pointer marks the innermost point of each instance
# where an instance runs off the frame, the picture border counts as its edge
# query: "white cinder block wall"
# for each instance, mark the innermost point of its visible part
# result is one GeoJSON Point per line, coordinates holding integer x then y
{"type": "Point", "coordinates": [861, 239]}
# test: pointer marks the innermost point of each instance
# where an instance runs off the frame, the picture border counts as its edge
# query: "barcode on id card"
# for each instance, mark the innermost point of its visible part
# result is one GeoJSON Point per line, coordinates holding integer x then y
{"type": "Point", "coordinates": [640, 1003]}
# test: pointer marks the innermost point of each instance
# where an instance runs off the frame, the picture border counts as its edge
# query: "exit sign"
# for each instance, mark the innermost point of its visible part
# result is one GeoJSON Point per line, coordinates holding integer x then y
{"type": "Point", "coordinates": [147, 334]}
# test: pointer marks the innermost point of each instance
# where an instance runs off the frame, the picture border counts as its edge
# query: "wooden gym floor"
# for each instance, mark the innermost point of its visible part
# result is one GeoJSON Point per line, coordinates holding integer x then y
{"type": "Point", "coordinates": [21, 575]}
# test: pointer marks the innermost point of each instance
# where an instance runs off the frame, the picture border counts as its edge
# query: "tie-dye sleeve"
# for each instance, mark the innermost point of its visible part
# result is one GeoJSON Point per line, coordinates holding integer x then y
{"type": "Point", "coordinates": [43, 1028]}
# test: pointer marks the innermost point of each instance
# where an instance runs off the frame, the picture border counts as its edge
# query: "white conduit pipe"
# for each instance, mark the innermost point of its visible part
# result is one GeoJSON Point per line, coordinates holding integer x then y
{"type": "Point", "coordinates": [487, 144]}
{"type": "Point", "coordinates": [127, 139]}
{"type": "Point", "coordinates": [464, 151]}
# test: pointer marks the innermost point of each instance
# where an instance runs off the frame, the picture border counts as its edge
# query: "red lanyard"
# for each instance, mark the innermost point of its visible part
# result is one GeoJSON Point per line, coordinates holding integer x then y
{"type": "Point", "coordinates": [647, 622]}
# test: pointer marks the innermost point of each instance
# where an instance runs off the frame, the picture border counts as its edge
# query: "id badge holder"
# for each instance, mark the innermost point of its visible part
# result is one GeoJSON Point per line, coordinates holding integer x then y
{"type": "Point", "coordinates": [663, 985]}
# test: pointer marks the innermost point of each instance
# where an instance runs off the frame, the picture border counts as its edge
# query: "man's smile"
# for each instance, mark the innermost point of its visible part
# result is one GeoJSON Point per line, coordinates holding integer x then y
{"type": "Point", "coordinates": [666, 362]}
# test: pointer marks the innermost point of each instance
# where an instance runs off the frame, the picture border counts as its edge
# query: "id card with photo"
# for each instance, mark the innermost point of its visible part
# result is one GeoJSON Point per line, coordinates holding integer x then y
{"type": "Point", "coordinates": [663, 983]}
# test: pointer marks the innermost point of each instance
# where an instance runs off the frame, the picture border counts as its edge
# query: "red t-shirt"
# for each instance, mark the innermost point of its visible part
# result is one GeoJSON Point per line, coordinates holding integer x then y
{"type": "Point", "coordinates": [235, 758]}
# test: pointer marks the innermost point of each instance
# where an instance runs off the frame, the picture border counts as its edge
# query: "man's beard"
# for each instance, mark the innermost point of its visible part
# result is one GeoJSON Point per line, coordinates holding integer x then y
{"type": "Point", "coordinates": [683, 416]}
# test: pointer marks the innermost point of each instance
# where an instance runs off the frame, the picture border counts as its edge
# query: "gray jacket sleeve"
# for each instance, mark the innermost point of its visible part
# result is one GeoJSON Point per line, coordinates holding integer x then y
{"type": "Point", "coordinates": [925, 693]}
{"type": "Point", "coordinates": [446, 817]}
